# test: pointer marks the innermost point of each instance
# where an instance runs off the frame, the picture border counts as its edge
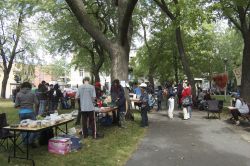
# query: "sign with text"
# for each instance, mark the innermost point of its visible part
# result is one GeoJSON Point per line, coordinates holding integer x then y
{"type": "Point", "coordinates": [237, 74]}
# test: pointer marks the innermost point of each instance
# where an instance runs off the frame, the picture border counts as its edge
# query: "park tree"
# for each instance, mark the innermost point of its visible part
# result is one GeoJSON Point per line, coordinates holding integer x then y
{"type": "Point", "coordinates": [238, 14]}
{"type": "Point", "coordinates": [182, 12]}
{"type": "Point", "coordinates": [156, 59]}
{"type": "Point", "coordinates": [57, 69]}
{"type": "Point", "coordinates": [65, 36]}
{"type": "Point", "coordinates": [117, 47]}
{"type": "Point", "coordinates": [13, 15]}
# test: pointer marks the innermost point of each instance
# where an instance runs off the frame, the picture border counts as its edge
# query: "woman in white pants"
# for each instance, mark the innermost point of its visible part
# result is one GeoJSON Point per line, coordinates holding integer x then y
{"type": "Point", "coordinates": [185, 93]}
{"type": "Point", "coordinates": [171, 107]}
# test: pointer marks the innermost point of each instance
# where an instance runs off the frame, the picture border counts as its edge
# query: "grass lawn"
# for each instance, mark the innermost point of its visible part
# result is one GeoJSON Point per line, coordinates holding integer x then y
{"type": "Point", "coordinates": [113, 150]}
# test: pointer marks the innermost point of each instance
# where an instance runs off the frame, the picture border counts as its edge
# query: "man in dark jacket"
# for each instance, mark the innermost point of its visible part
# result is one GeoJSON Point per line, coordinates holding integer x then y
{"type": "Point", "coordinates": [118, 97]}
{"type": "Point", "coordinates": [42, 94]}
{"type": "Point", "coordinates": [54, 96]}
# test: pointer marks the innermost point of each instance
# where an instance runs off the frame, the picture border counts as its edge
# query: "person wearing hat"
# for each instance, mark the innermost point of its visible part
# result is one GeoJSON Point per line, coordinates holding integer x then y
{"type": "Point", "coordinates": [144, 105]}
{"type": "Point", "coordinates": [240, 107]}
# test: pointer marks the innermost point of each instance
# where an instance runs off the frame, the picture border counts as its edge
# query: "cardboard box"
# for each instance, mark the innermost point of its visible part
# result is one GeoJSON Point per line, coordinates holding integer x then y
{"type": "Point", "coordinates": [59, 145]}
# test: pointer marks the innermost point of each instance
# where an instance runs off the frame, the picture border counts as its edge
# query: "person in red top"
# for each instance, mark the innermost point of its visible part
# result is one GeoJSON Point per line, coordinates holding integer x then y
{"type": "Point", "coordinates": [186, 92]}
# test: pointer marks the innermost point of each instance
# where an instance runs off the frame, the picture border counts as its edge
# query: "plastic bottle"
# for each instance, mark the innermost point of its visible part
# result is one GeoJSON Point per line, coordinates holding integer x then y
{"type": "Point", "coordinates": [56, 112]}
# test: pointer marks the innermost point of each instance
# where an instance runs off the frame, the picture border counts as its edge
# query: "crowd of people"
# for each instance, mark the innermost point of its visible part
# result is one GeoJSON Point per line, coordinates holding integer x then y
{"type": "Point", "coordinates": [46, 98]}
{"type": "Point", "coordinates": [49, 97]}
{"type": "Point", "coordinates": [33, 102]}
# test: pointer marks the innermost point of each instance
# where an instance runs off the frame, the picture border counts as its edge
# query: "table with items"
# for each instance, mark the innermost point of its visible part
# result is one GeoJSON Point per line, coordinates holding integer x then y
{"type": "Point", "coordinates": [35, 126]}
{"type": "Point", "coordinates": [103, 112]}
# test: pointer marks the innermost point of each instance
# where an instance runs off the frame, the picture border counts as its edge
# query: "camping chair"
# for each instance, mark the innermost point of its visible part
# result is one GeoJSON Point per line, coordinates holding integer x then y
{"type": "Point", "coordinates": [5, 135]}
{"type": "Point", "coordinates": [214, 107]}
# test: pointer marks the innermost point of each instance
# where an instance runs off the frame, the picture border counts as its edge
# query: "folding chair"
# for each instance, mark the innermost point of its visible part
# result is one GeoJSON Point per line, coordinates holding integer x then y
{"type": "Point", "coordinates": [214, 107]}
{"type": "Point", "coordinates": [5, 135]}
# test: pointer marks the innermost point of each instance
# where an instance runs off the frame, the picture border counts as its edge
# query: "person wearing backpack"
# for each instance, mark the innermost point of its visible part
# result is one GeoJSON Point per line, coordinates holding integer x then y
{"type": "Point", "coordinates": [144, 100]}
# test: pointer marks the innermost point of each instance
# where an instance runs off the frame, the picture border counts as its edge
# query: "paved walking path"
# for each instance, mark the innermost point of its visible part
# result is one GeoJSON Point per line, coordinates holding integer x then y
{"type": "Point", "coordinates": [195, 142]}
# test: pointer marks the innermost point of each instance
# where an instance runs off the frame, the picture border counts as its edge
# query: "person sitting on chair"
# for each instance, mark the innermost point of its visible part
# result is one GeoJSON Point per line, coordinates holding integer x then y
{"type": "Point", "coordinates": [240, 107]}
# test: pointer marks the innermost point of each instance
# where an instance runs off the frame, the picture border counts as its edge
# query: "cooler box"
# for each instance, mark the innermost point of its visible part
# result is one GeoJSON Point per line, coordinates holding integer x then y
{"type": "Point", "coordinates": [75, 142]}
{"type": "Point", "coordinates": [59, 145]}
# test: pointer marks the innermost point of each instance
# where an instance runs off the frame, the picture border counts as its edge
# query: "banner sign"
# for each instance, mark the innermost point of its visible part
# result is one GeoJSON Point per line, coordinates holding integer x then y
{"type": "Point", "coordinates": [237, 74]}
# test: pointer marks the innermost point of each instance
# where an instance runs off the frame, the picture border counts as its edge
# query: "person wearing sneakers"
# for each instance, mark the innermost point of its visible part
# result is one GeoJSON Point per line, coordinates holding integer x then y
{"type": "Point", "coordinates": [240, 107]}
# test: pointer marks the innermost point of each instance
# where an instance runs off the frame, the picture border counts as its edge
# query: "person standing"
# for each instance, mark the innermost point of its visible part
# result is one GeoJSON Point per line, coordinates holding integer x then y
{"type": "Point", "coordinates": [137, 91]}
{"type": "Point", "coordinates": [159, 98]}
{"type": "Point", "coordinates": [25, 101]}
{"type": "Point", "coordinates": [144, 105]}
{"type": "Point", "coordinates": [87, 95]}
{"type": "Point", "coordinates": [42, 90]}
{"type": "Point", "coordinates": [118, 97]}
{"type": "Point", "coordinates": [186, 93]}
{"type": "Point", "coordinates": [179, 93]}
{"type": "Point", "coordinates": [55, 95]}
{"type": "Point", "coordinates": [171, 96]}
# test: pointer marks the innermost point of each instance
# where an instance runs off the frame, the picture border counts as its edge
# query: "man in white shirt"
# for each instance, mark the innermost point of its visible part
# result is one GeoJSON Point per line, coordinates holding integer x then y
{"type": "Point", "coordinates": [87, 95]}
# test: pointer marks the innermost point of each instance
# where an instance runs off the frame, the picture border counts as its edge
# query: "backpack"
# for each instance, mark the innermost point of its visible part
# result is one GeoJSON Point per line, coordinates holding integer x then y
{"type": "Point", "coordinates": [45, 136]}
{"type": "Point", "coordinates": [151, 100]}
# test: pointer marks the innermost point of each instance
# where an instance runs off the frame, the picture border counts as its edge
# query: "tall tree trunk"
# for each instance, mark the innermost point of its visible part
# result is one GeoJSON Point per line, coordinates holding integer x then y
{"type": "Point", "coordinates": [164, 6]}
{"type": "Point", "coordinates": [118, 50]}
{"type": "Point", "coordinates": [97, 76]}
{"type": "Point", "coordinates": [119, 69]}
{"type": "Point", "coordinates": [7, 65]}
{"type": "Point", "coordinates": [151, 80]}
{"type": "Point", "coordinates": [245, 79]}
{"type": "Point", "coordinates": [4, 84]}
{"type": "Point", "coordinates": [175, 62]}
{"type": "Point", "coordinates": [184, 60]}
{"type": "Point", "coordinates": [92, 78]}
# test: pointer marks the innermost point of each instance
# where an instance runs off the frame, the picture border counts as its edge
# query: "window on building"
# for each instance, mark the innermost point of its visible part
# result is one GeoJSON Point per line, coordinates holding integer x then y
{"type": "Point", "coordinates": [81, 72]}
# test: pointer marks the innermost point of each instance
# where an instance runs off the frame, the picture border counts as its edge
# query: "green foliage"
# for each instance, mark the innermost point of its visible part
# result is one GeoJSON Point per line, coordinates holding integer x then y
{"type": "Point", "coordinates": [65, 35]}
{"type": "Point", "coordinates": [15, 27]}
{"type": "Point", "coordinates": [206, 46]}
{"type": "Point", "coordinates": [58, 69]}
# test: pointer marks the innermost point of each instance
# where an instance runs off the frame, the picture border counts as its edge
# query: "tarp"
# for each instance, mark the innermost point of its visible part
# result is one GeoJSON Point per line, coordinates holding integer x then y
{"type": "Point", "coordinates": [221, 80]}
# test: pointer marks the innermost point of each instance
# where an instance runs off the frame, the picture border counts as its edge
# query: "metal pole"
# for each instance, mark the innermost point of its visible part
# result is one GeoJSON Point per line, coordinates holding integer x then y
{"type": "Point", "coordinates": [225, 92]}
